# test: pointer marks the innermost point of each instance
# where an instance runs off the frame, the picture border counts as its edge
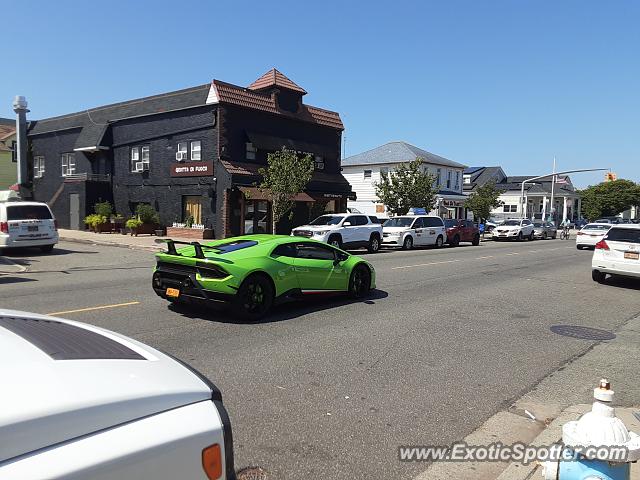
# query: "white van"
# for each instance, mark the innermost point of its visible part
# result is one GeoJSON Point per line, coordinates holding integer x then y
{"type": "Point", "coordinates": [27, 224]}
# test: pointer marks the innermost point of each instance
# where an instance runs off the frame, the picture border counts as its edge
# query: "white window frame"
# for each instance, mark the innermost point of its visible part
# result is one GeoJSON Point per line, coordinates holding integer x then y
{"type": "Point", "coordinates": [367, 174]}
{"type": "Point", "coordinates": [457, 181]}
{"type": "Point", "coordinates": [68, 161]}
{"type": "Point", "coordinates": [466, 179]}
{"type": "Point", "coordinates": [134, 156]}
{"type": "Point", "coordinates": [251, 151]}
{"type": "Point", "coordinates": [194, 150]}
{"type": "Point", "coordinates": [38, 166]}
{"type": "Point", "coordinates": [145, 161]}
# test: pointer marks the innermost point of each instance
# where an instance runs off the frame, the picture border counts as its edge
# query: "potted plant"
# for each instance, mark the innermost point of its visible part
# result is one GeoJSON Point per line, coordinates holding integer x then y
{"type": "Point", "coordinates": [104, 211]}
{"type": "Point", "coordinates": [95, 222]}
{"type": "Point", "coordinates": [133, 224]}
{"type": "Point", "coordinates": [117, 222]}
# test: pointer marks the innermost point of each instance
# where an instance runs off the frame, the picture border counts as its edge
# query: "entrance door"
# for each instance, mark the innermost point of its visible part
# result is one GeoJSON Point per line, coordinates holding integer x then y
{"type": "Point", "coordinates": [192, 208]}
{"type": "Point", "coordinates": [74, 211]}
{"type": "Point", "coordinates": [256, 217]}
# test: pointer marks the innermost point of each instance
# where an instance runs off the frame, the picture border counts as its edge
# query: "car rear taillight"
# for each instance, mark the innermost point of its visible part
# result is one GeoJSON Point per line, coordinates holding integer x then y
{"type": "Point", "coordinates": [602, 245]}
{"type": "Point", "coordinates": [212, 461]}
{"type": "Point", "coordinates": [4, 227]}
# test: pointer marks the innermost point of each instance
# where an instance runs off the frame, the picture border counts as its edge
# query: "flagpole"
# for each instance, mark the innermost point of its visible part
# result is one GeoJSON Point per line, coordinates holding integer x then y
{"type": "Point", "coordinates": [553, 186]}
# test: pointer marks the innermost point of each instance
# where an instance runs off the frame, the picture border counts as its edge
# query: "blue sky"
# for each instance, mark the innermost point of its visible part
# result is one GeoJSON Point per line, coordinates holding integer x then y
{"type": "Point", "coordinates": [509, 83]}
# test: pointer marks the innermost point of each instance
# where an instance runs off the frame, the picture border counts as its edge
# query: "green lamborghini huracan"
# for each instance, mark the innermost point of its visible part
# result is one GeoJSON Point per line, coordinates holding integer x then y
{"type": "Point", "coordinates": [253, 272]}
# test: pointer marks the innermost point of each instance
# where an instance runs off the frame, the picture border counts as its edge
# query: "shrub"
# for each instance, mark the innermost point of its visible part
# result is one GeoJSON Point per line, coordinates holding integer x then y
{"type": "Point", "coordinates": [94, 220]}
{"type": "Point", "coordinates": [133, 223]}
{"type": "Point", "coordinates": [147, 214]}
{"type": "Point", "coordinates": [103, 209]}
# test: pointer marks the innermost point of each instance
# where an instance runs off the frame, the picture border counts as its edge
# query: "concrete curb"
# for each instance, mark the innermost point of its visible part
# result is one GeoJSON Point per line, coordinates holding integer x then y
{"type": "Point", "coordinates": [151, 248]}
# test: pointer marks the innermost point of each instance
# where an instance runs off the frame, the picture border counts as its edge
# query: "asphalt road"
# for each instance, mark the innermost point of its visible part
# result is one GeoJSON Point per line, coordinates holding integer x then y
{"type": "Point", "coordinates": [330, 389]}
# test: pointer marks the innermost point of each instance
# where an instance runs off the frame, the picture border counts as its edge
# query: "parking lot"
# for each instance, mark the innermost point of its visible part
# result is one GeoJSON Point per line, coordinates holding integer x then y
{"type": "Point", "coordinates": [330, 389]}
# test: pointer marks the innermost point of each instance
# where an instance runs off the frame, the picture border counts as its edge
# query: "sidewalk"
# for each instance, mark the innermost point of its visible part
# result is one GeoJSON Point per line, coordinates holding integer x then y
{"type": "Point", "coordinates": [143, 242]}
{"type": "Point", "coordinates": [560, 397]}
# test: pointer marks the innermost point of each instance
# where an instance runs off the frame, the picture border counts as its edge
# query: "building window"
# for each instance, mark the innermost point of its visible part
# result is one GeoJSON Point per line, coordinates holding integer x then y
{"type": "Point", "coordinates": [384, 170]}
{"type": "Point", "coordinates": [319, 162]}
{"type": "Point", "coordinates": [448, 179]}
{"type": "Point", "coordinates": [251, 151]}
{"type": "Point", "coordinates": [192, 209]}
{"type": "Point", "coordinates": [38, 167]}
{"type": "Point", "coordinates": [466, 179]}
{"type": "Point", "coordinates": [182, 152]}
{"type": "Point", "coordinates": [457, 181]}
{"type": "Point", "coordinates": [439, 177]}
{"type": "Point", "coordinates": [367, 174]}
{"type": "Point", "coordinates": [510, 208]}
{"type": "Point", "coordinates": [140, 158]}
{"type": "Point", "coordinates": [68, 164]}
{"type": "Point", "coordinates": [196, 149]}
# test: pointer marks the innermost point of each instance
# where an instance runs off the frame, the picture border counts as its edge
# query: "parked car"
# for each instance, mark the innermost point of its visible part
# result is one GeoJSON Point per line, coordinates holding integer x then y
{"type": "Point", "coordinates": [343, 230]}
{"type": "Point", "coordinates": [253, 272]}
{"type": "Point", "coordinates": [378, 220]}
{"type": "Point", "coordinates": [83, 402]}
{"type": "Point", "coordinates": [544, 230]}
{"type": "Point", "coordinates": [410, 231]}
{"type": "Point", "coordinates": [591, 234]}
{"type": "Point", "coordinates": [514, 229]}
{"type": "Point", "coordinates": [27, 224]}
{"type": "Point", "coordinates": [461, 231]}
{"type": "Point", "coordinates": [617, 254]}
{"type": "Point", "coordinates": [581, 222]}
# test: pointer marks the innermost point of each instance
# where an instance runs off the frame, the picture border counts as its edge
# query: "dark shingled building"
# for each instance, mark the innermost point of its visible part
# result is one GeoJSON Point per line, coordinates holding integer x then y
{"type": "Point", "coordinates": [192, 153]}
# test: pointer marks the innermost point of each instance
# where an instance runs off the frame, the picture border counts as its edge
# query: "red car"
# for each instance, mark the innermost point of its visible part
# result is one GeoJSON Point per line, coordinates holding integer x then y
{"type": "Point", "coordinates": [461, 231]}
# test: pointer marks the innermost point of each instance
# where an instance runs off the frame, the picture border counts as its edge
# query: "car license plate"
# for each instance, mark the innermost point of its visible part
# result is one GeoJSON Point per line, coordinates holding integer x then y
{"type": "Point", "coordinates": [173, 292]}
{"type": "Point", "coordinates": [33, 228]}
{"type": "Point", "coordinates": [631, 255]}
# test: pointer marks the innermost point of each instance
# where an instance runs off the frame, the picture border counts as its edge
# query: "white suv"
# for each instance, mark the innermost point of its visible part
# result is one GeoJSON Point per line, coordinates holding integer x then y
{"type": "Point", "coordinates": [514, 229]}
{"type": "Point", "coordinates": [82, 402]}
{"type": "Point", "coordinates": [617, 254]}
{"type": "Point", "coordinates": [343, 230]}
{"type": "Point", "coordinates": [413, 230]}
{"type": "Point", "coordinates": [27, 224]}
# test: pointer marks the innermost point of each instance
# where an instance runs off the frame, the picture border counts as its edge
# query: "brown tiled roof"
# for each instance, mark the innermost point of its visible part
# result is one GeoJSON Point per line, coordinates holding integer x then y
{"type": "Point", "coordinates": [274, 78]}
{"type": "Point", "coordinates": [240, 168]}
{"type": "Point", "coordinates": [243, 97]}
{"type": "Point", "coordinates": [6, 131]}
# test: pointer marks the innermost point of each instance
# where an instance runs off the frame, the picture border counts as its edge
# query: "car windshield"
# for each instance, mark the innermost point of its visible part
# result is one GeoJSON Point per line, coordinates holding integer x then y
{"type": "Point", "coordinates": [231, 246]}
{"type": "Point", "coordinates": [327, 220]}
{"type": "Point", "coordinates": [593, 226]}
{"type": "Point", "coordinates": [399, 222]}
{"type": "Point", "coordinates": [631, 235]}
{"type": "Point", "coordinates": [512, 223]}
{"type": "Point", "coordinates": [450, 223]}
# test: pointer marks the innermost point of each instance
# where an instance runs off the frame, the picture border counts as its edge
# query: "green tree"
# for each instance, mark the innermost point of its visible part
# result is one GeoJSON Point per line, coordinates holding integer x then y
{"type": "Point", "coordinates": [483, 200]}
{"type": "Point", "coordinates": [609, 198]}
{"type": "Point", "coordinates": [407, 186]}
{"type": "Point", "coordinates": [287, 174]}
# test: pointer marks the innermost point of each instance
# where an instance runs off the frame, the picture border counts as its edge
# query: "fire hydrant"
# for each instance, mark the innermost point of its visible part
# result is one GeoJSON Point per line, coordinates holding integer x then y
{"type": "Point", "coordinates": [587, 454]}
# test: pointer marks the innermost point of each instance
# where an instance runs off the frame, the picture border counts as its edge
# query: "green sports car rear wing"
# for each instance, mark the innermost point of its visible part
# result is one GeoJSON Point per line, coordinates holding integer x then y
{"type": "Point", "coordinates": [171, 247]}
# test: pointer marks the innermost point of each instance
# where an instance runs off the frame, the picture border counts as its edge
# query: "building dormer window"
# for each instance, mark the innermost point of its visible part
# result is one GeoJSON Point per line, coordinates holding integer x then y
{"type": "Point", "coordinates": [251, 151]}
{"type": "Point", "coordinates": [466, 179]}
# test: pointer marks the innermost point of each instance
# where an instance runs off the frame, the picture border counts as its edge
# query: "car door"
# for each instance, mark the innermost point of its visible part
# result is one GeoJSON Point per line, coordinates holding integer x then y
{"type": "Point", "coordinates": [434, 227]}
{"type": "Point", "coordinates": [419, 233]}
{"type": "Point", "coordinates": [318, 270]}
{"type": "Point", "coordinates": [349, 232]}
{"type": "Point", "coordinates": [286, 277]}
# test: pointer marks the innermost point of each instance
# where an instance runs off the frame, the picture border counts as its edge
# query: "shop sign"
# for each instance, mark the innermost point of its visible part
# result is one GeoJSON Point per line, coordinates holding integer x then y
{"type": "Point", "coordinates": [192, 169]}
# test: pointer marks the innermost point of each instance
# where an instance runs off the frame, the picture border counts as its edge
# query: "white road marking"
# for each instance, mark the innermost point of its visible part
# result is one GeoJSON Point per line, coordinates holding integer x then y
{"type": "Point", "coordinates": [425, 264]}
{"type": "Point", "coordinates": [90, 309]}
{"type": "Point", "coordinates": [482, 258]}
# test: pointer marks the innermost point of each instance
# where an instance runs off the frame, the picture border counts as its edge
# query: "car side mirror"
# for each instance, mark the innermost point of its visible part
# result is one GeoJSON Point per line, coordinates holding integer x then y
{"type": "Point", "coordinates": [340, 257]}
{"type": "Point", "coordinates": [346, 224]}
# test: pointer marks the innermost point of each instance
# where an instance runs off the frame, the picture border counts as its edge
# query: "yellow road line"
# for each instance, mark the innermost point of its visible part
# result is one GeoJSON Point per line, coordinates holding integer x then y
{"type": "Point", "coordinates": [89, 309]}
{"type": "Point", "coordinates": [425, 264]}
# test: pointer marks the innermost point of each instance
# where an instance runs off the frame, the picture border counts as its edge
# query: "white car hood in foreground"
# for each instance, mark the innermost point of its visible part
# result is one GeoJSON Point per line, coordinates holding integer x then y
{"type": "Point", "coordinates": [46, 401]}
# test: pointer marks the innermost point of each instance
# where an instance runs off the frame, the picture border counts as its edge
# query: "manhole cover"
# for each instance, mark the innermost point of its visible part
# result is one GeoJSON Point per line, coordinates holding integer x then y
{"type": "Point", "coordinates": [253, 473]}
{"type": "Point", "coordinates": [583, 333]}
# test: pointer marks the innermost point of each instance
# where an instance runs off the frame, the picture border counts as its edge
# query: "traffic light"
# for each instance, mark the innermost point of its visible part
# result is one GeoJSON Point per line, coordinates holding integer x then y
{"type": "Point", "coordinates": [610, 177]}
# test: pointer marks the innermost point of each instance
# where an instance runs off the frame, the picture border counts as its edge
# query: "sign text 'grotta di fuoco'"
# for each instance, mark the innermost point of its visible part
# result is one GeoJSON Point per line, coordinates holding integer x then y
{"type": "Point", "coordinates": [192, 169]}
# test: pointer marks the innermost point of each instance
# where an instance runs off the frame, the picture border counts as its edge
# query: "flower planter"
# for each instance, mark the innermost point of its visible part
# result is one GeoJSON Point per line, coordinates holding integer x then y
{"type": "Point", "coordinates": [195, 233]}
{"type": "Point", "coordinates": [144, 229]}
{"type": "Point", "coordinates": [102, 228]}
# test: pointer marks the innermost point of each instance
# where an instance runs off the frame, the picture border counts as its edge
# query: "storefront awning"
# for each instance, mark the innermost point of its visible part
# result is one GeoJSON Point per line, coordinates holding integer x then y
{"type": "Point", "coordinates": [254, 193]}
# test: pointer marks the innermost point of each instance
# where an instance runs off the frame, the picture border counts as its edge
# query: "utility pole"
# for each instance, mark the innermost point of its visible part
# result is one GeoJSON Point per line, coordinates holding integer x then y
{"type": "Point", "coordinates": [20, 107]}
{"type": "Point", "coordinates": [553, 187]}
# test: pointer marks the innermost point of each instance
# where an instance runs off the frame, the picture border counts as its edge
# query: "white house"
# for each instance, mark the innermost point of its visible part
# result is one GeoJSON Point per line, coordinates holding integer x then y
{"type": "Point", "coordinates": [363, 170]}
{"type": "Point", "coordinates": [537, 195]}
